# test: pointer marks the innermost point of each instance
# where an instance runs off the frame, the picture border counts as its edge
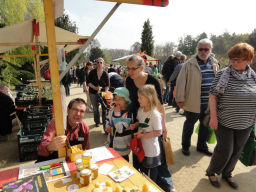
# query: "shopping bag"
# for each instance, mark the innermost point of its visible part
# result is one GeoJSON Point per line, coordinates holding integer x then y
{"type": "Point", "coordinates": [211, 138]}
{"type": "Point", "coordinates": [168, 150]}
{"type": "Point", "coordinates": [174, 92]}
{"type": "Point", "coordinates": [248, 155]}
{"type": "Point", "coordinates": [137, 149]}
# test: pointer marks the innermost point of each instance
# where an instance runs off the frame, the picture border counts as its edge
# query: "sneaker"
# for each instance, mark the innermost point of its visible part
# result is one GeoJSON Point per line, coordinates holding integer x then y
{"type": "Point", "coordinates": [89, 111]}
{"type": "Point", "coordinates": [97, 125]}
{"type": "Point", "coordinates": [173, 190]}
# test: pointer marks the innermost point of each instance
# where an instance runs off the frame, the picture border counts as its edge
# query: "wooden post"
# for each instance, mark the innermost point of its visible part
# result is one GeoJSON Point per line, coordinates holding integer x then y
{"type": "Point", "coordinates": [54, 70]}
{"type": "Point", "coordinates": [38, 73]}
{"type": "Point", "coordinates": [35, 66]}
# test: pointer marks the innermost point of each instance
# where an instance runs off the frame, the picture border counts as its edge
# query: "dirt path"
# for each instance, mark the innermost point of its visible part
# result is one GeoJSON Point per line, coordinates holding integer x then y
{"type": "Point", "coordinates": [188, 173]}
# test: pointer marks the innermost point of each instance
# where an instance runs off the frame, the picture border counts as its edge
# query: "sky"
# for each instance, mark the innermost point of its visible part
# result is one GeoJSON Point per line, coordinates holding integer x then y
{"type": "Point", "coordinates": [179, 18]}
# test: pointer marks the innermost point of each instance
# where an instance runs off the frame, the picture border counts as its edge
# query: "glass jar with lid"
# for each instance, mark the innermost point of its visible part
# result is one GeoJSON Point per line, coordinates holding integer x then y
{"type": "Point", "coordinates": [78, 170]}
{"type": "Point", "coordinates": [94, 168]}
{"type": "Point", "coordinates": [78, 161]}
{"type": "Point", "coordinates": [85, 177]}
{"type": "Point", "coordinates": [86, 156]}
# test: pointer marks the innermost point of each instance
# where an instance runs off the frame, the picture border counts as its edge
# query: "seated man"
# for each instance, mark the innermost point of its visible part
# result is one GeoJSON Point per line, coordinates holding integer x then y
{"type": "Point", "coordinates": [6, 109]}
{"type": "Point", "coordinates": [77, 132]}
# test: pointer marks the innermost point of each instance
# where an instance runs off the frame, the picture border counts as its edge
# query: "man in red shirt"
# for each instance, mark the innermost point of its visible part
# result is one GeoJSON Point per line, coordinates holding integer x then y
{"type": "Point", "coordinates": [77, 132]}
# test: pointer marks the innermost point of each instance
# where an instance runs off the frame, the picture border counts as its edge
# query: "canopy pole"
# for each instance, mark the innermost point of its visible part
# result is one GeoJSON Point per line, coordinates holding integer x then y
{"type": "Point", "coordinates": [54, 70]}
{"type": "Point", "coordinates": [38, 73]}
{"type": "Point", "coordinates": [81, 50]}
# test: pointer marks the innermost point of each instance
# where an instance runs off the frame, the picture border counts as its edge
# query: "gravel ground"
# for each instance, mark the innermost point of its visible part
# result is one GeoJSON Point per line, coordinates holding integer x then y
{"type": "Point", "coordinates": [188, 173]}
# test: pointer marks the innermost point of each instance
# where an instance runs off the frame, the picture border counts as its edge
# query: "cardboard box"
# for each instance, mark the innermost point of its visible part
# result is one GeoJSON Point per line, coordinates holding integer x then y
{"type": "Point", "coordinates": [74, 156]}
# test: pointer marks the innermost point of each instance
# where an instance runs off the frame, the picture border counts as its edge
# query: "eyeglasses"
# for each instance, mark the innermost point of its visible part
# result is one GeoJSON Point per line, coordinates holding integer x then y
{"type": "Point", "coordinates": [76, 110]}
{"type": "Point", "coordinates": [203, 49]}
{"type": "Point", "coordinates": [132, 69]}
{"type": "Point", "coordinates": [99, 62]}
{"type": "Point", "coordinates": [237, 60]}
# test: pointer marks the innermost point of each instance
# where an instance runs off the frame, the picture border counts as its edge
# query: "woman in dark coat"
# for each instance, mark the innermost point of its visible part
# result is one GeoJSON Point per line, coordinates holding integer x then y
{"type": "Point", "coordinates": [6, 109]}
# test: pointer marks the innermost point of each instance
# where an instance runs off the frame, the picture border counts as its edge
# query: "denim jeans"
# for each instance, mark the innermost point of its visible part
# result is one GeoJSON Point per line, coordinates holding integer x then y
{"type": "Point", "coordinates": [188, 128]}
{"type": "Point", "coordinates": [96, 112]}
{"type": "Point", "coordinates": [167, 91]}
{"type": "Point", "coordinates": [67, 89]}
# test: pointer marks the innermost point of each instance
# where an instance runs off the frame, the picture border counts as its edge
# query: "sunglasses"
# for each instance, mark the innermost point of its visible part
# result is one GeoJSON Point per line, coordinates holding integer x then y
{"type": "Point", "coordinates": [99, 62]}
{"type": "Point", "coordinates": [203, 49]}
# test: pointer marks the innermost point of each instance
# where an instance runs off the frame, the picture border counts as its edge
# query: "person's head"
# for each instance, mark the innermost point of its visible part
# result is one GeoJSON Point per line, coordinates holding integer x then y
{"type": "Point", "coordinates": [84, 64]}
{"type": "Point", "coordinates": [178, 54]}
{"type": "Point", "coordinates": [94, 63]}
{"type": "Point", "coordinates": [169, 58]}
{"type": "Point", "coordinates": [78, 66]}
{"type": "Point", "coordinates": [111, 65]}
{"type": "Point", "coordinates": [240, 55]}
{"type": "Point", "coordinates": [3, 88]}
{"type": "Point", "coordinates": [135, 66]}
{"type": "Point", "coordinates": [183, 58]}
{"type": "Point", "coordinates": [154, 66]}
{"type": "Point", "coordinates": [150, 64]}
{"type": "Point", "coordinates": [88, 66]}
{"type": "Point", "coordinates": [147, 63]}
{"type": "Point", "coordinates": [76, 109]}
{"type": "Point", "coordinates": [100, 63]}
{"type": "Point", "coordinates": [121, 97]}
{"type": "Point", "coordinates": [147, 97]}
{"type": "Point", "coordinates": [204, 49]}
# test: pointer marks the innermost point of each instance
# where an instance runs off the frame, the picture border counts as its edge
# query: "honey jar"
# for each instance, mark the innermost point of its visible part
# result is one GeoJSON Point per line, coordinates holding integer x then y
{"type": "Point", "coordinates": [85, 177]}
{"type": "Point", "coordinates": [94, 168]}
{"type": "Point", "coordinates": [78, 170]}
{"type": "Point", "coordinates": [86, 156]}
{"type": "Point", "coordinates": [78, 161]}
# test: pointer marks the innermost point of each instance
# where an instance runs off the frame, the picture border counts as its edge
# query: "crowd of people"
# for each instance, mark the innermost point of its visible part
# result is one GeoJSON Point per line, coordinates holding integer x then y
{"type": "Point", "coordinates": [196, 85]}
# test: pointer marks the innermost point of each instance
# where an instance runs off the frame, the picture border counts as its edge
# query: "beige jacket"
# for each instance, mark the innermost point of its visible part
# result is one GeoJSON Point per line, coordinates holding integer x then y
{"type": "Point", "coordinates": [188, 85]}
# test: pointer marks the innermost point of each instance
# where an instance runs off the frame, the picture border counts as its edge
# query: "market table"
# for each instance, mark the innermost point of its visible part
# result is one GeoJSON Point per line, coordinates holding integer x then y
{"type": "Point", "coordinates": [118, 162]}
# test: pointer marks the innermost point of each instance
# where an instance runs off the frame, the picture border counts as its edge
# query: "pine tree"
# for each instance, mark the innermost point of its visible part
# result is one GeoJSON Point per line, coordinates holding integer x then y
{"type": "Point", "coordinates": [147, 39]}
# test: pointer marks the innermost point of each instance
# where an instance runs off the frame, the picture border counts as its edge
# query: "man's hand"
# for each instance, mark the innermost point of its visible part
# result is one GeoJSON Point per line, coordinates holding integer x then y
{"type": "Point", "coordinates": [97, 88]}
{"type": "Point", "coordinates": [213, 123]}
{"type": "Point", "coordinates": [86, 90]}
{"type": "Point", "coordinates": [168, 84]}
{"type": "Point", "coordinates": [57, 142]}
{"type": "Point", "coordinates": [108, 129]}
{"type": "Point", "coordinates": [117, 108]}
{"type": "Point", "coordinates": [180, 104]}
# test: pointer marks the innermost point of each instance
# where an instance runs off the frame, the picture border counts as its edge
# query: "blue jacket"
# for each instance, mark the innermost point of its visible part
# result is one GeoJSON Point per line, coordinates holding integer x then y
{"type": "Point", "coordinates": [121, 129]}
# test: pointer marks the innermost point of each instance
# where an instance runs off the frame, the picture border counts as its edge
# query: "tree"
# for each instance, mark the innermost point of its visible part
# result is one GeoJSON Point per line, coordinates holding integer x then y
{"type": "Point", "coordinates": [252, 39]}
{"type": "Point", "coordinates": [135, 48]}
{"type": "Point", "coordinates": [13, 12]}
{"type": "Point", "coordinates": [147, 39]}
{"type": "Point", "coordinates": [95, 53]}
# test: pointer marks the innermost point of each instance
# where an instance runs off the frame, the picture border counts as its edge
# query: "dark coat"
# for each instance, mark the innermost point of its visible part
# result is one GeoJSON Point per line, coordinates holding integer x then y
{"type": "Point", "coordinates": [6, 109]}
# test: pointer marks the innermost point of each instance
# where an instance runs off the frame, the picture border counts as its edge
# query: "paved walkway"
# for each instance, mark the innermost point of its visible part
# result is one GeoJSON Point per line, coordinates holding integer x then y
{"type": "Point", "coordinates": [188, 173]}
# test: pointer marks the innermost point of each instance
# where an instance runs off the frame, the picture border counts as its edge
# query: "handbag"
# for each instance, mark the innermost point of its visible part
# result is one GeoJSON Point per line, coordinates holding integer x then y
{"type": "Point", "coordinates": [211, 138]}
{"type": "Point", "coordinates": [168, 150]}
{"type": "Point", "coordinates": [137, 149]}
{"type": "Point", "coordinates": [174, 92]}
{"type": "Point", "coordinates": [248, 155]}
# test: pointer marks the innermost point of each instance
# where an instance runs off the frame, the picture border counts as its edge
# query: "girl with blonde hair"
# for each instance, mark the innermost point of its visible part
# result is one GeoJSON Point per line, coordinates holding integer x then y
{"type": "Point", "coordinates": [150, 127]}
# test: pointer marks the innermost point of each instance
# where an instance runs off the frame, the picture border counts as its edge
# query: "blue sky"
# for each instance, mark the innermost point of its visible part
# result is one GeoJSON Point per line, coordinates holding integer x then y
{"type": "Point", "coordinates": [180, 17]}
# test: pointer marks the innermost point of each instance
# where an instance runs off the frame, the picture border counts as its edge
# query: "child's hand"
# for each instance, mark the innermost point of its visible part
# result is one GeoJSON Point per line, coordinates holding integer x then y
{"type": "Point", "coordinates": [139, 135]}
{"type": "Point", "coordinates": [117, 108]}
{"type": "Point", "coordinates": [132, 126]}
{"type": "Point", "coordinates": [108, 129]}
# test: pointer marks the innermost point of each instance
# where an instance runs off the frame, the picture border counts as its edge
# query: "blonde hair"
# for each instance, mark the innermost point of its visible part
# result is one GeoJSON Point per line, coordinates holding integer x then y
{"type": "Point", "coordinates": [149, 92]}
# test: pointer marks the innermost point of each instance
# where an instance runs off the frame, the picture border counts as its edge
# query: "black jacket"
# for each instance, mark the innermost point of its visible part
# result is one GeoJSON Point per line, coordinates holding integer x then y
{"type": "Point", "coordinates": [169, 68]}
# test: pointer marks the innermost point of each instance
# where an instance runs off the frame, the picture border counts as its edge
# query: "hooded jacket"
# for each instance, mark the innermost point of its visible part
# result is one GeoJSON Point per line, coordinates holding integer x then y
{"type": "Point", "coordinates": [188, 84]}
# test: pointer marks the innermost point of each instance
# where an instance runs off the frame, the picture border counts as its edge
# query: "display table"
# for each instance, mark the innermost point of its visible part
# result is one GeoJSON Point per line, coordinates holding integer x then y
{"type": "Point", "coordinates": [118, 162]}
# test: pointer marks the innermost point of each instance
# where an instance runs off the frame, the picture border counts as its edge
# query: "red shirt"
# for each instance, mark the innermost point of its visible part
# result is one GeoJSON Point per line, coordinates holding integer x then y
{"type": "Point", "coordinates": [72, 134]}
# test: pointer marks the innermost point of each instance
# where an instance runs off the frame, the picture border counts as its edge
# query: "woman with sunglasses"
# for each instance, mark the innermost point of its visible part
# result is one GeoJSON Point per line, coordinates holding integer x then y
{"type": "Point", "coordinates": [98, 78]}
{"type": "Point", "coordinates": [232, 109]}
{"type": "Point", "coordinates": [136, 79]}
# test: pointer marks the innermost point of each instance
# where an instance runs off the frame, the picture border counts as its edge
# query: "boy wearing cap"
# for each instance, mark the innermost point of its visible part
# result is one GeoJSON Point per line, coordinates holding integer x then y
{"type": "Point", "coordinates": [118, 123]}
